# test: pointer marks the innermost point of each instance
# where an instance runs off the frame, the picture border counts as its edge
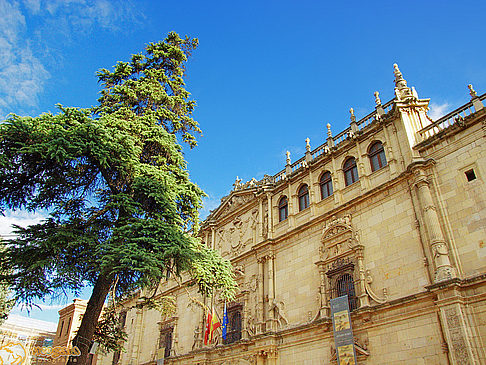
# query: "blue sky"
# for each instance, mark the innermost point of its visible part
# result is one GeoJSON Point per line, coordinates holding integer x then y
{"type": "Point", "coordinates": [267, 74]}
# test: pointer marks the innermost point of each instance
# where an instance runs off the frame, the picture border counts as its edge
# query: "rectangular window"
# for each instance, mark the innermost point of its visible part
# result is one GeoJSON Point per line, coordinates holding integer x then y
{"type": "Point", "coordinates": [234, 324]}
{"type": "Point", "coordinates": [470, 175]}
{"type": "Point", "coordinates": [165, 340]}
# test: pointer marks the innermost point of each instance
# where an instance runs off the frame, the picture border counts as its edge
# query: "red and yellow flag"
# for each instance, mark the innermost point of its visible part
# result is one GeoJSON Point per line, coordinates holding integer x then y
{"type": "Point", "coordinates": [212, 324]}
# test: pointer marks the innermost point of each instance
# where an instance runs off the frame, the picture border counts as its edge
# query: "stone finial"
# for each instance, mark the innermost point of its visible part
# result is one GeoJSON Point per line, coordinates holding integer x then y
{"type": "Point", "coordinates": [353, 117]}
{"type": "Point", "coordinates": [472, 92]}
{"type": "Point", "coordinates": [402, 91]}
{"type": "Point", "coordinates": [377, 98]}
{"type": "Point", "coordinates": [288, 157]}
{"type": "Point", "coordinates": [414, 92]}
{"type": "Point", "coordinates": [477, 103]}
{"type": "Point", "coordinates": [329, 133]}
{"type": "Point", "coordinates": [237, 183]}
{"type": "Point", "coordinates": [400, 82]}
{"type": "Point", "coordinates": [307, 144]}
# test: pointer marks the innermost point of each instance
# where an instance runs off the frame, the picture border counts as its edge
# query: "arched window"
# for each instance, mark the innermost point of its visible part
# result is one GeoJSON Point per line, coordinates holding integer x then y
{"type": "Point", "coordinates": [283, 209]}
{"type": "Point", "coordinates": [350, 171]}
{"type": "Point", "coordinates": [377, 156]}
{"type": "Point", "coordinates": [326, 185]}
{"type": "Point", "coordinates": [345, 286]}
{"type": "Point", "coordinates": [303, 198]}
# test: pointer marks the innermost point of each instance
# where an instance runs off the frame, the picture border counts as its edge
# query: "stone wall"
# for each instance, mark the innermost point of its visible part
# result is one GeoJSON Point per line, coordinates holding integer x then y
{"type": "Point", "coordinates": [411, 235]}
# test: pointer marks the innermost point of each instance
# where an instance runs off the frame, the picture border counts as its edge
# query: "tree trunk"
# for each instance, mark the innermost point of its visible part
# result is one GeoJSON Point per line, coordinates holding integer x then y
{"type": "Point", "coordinates": [84, 336]}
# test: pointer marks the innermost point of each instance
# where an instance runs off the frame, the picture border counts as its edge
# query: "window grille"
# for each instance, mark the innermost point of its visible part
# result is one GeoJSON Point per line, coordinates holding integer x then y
{"type": "Point", "coordinates": [233, 333]}
{"type": "Point", "coordinates": [345, 286]}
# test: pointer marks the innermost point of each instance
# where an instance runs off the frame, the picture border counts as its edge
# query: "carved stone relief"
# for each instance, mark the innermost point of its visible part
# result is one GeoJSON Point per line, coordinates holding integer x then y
{"type": "Point", "coordinates": [239, 271]}
{"type": "Point", "coordinates": [340, 254]}
{"type": "Point", "coordinates": [265, 221]}
{"type": "Point", "coordinates": [235, 236]}
{"type": "Point", "coordinates": [250, 324]}
{"type": "Point", "coordinates": [277, 307]}
{"type": "Point", "coordinates": [371, 293]}
{"type": "Point", "coordinates": [233, 202]}
{"type": "Point", "coordinates": [338, 237]}
{"type": "Point", "coordinates": [458, 342]}
{"type": "Point", "coordinates": [252, 283]}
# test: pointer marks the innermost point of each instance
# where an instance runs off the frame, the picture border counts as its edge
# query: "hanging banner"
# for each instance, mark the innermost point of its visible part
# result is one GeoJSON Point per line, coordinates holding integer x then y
{"type": "Point", "coordinates": [343, 333]}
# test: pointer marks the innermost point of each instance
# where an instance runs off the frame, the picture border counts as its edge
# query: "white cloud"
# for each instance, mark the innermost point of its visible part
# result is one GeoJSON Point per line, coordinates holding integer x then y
{"type": "Point", "coordinates": [18, 308]}
{"type": "Point", "coordinates": [27, 48]}
{"type": "Point", "coordinates": [82, 15]}
{"type": "Point", "coordinates": [12, 22]}
{"type": "Point", "coordinates": [22, 74]}
{"type": "Point", "coordinates": [20, 218]}
{"type": "Point", "coordinates": [438, 110]}
{"type": "Point", "coordinates": [33, 5]}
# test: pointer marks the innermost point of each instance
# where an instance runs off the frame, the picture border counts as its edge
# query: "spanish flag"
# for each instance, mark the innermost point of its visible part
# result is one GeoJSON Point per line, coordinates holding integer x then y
{"type": "Point", "coordinates": [212, 324]}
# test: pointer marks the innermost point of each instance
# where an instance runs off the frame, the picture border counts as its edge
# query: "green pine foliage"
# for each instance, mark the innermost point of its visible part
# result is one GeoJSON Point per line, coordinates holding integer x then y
{"type": "Point", "coordinates": [115, 183]}
{"type": "Point", "coordinates": [6, 302]}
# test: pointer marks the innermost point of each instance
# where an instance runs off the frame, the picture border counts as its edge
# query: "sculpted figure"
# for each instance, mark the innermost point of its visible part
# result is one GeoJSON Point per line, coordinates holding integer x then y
{"type": "Point", "coordinates": [278, 306]}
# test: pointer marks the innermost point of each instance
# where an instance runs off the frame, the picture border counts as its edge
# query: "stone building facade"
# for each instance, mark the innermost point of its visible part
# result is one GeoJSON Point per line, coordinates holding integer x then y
{"type": "Point", "coordinates": [19, 336]}
{"type": "Point", "coordinates": [391, 212]}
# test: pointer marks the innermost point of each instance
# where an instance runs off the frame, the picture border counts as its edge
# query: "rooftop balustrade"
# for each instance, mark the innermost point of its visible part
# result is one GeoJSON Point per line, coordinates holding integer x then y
{"type": "Point", "coordinates": [434, 128]}
{"type": "Point", "coordinates": [454, 117]}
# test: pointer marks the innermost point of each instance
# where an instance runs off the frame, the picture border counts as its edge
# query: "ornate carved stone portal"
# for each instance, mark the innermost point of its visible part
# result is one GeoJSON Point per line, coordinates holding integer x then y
{"type": "Point", "coordinates": [341, 266]}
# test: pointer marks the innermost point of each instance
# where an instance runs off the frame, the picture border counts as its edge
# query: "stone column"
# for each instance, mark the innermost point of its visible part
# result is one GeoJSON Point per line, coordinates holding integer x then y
{"type": "Point", "coordinates": [396, 139]}
{"type": "Point", "coordinates": [260, 358]}
{"type": "Point", "coordinates": [324, 309]}
{"type": "Point", "coordinates": [364, 300]}
{"type": "Point", "coordinates": [291, 205]}
{"type": "Point", "coordinates": [459, 341]}
{"type": "Point", "coordinates": [272, 356]}
{"type": "Point", "coordinates": [337, 181]}
{"type": "Point", "coordinates": [313, 197]}
{"type": "Point", "coordinates": [261, 295]}
{"type": "Point", "coordinates": [363, 169]}
{"type": "Point", "coordinates": [244, 315]}
{"type": "Point", "coordinates": [175, 338]}
{"type": "Point", "coordinates": [438, 245]}
{"type": "Point", "coordinates": [270, 215]}
{"type": "Point", "coordinates": [213, 237]}
{"type": "Point", "coordinates": [388, 147]}
{"type": "Point", "coordinates": [260, 220]}
{"type": "Point", "coordinates": [137, 335]}
{"type": "Point", "coordinates": [206, 238]}
{"type": "Point", "coordinates": [271, 292]}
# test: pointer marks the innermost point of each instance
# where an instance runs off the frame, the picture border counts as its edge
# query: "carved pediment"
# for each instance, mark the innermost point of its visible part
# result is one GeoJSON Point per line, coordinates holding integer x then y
{"type": "Point", "coordinates": [338, 238]}
{"type": "Point", "coordinates": [237, 235]}
{"type": "Point", "coordinates": [336, 226]}
{"type": "Point", "coordinates": [232, 202]}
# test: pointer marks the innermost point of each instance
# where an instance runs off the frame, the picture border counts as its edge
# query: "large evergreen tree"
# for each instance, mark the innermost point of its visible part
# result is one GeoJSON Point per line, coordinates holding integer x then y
{"type": "Point", "coordinates": [115, 183]}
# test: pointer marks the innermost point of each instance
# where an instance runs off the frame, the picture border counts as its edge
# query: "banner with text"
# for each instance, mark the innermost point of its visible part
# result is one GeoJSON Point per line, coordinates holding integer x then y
{"type": "Point", "coordinates": [343, 333]}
